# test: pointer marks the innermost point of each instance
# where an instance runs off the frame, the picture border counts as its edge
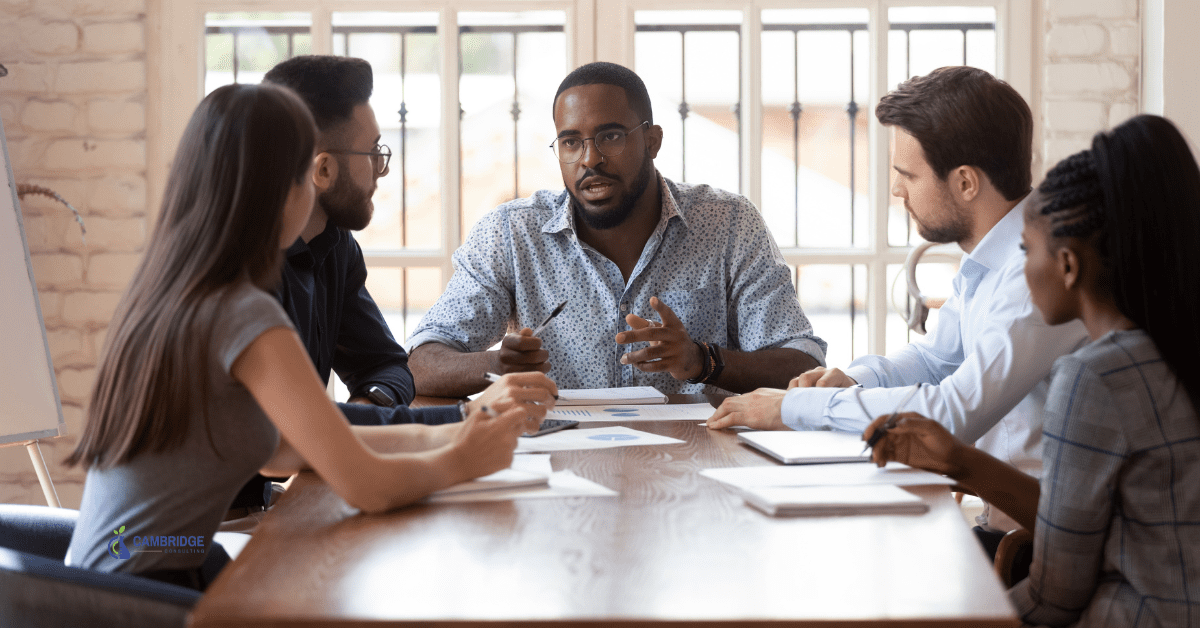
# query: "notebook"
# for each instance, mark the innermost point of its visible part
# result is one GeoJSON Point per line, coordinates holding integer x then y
{"type": "Point", "coordinates": [631, 396]}
{"type": "Point", "coordinates": [871, 499]}
{"type": "Point", "coordinates": [808, 447]}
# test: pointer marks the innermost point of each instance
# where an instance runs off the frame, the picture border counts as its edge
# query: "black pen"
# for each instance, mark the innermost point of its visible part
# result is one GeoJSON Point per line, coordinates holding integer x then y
{"type": "Point", "coordinates": [891, 422]}
{"type": "Point", "coordinates": [537, 330]}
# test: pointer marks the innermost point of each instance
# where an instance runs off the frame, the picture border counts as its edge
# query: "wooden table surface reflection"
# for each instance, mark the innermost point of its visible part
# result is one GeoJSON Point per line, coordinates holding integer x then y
{"type": "Point", "coordinates": [673, 547]}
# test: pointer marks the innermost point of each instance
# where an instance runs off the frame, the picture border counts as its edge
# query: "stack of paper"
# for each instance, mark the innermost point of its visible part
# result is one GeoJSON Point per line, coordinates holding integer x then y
{"type": "Point", "coordinates": [835, 500]}
{"type": "Point", "coordinates": [633, 395]}
{"type": "Point", "coordinates": [561, 484]}
{"type": "Point", "coordinates": [503, 479]}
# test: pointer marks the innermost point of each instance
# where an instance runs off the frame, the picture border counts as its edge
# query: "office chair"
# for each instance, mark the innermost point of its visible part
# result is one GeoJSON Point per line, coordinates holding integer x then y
{"type": "Point", "coordinates": [1014, 556]}
{"type": "Point", "coordinates": [37, 589]}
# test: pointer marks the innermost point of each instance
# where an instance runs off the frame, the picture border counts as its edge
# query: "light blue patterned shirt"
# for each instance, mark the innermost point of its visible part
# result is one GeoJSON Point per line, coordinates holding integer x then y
{"type": "Point", "coordinates": [710, 259]}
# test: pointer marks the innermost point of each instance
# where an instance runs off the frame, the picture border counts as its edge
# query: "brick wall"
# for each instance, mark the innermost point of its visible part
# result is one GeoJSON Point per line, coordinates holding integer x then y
{"type": "Point", "coordinates": [74, 113]}
{"type": "Point", "coordinates": [1090, 73]}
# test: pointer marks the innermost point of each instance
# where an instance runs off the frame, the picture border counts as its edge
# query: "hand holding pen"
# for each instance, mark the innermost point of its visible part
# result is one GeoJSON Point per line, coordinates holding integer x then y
{"type": "Point", "coordinates": [523, 352]}
{"type": "Point", "coordinates": [916, 441]}
{"type": "Point", "coordinates": [532, 392]}
{"type": "Point", "coordinates": [880, 431]}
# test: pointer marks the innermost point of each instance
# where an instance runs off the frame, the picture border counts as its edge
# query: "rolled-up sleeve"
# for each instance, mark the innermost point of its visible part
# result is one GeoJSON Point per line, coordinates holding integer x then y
{"type": "Point", "coordinates": [762, 303]}
{"type": "Point", "coordinates": [475, 310]}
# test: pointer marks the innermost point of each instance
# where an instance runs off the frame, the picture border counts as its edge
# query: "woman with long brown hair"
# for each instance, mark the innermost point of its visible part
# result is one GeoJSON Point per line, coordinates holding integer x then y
{"type": "Point", "coordinates": [203, 381]}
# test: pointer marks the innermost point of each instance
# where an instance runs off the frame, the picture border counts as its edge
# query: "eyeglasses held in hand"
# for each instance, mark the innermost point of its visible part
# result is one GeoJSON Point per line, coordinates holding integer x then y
{"type": "Point", "coordinates": [610, 143]}
{"type": "Point", "coordinates": [381, 156]}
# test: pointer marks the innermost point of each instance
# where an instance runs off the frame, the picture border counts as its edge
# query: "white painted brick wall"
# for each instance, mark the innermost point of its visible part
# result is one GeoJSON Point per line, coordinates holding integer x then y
{"type": "Point", "coordinates": [113, 116]}
{"type": "Point", "coordinates": [1099, 9]}
{"type": "Point", "coordinates": [114, 38]}
{"type": "Point", "coordinates": [1090, 71]}
{"type": "Point", "coordinates": [74, 112]}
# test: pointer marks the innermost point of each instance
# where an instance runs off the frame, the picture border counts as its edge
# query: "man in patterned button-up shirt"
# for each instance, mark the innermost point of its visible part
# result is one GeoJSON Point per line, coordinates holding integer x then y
{"type": "Point", "coordinates": [655, 274]}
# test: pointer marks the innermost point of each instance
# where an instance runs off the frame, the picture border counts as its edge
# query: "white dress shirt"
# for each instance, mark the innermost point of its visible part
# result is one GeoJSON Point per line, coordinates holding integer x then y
{"type": "Point", "coordinates": [984, 368]}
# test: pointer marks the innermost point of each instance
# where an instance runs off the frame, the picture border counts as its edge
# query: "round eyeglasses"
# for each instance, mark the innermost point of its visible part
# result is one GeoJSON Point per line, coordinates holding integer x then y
{"type": "Point", "coordinates": [610, 143]}
{"type": "Point", "coordinates": [380, 156]}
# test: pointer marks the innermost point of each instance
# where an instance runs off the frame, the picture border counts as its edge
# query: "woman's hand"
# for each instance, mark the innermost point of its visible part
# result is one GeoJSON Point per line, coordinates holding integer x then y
{"type": "Point", "coordinates": [533, 392]}
{"type": "Point", "coordinates": [486, 441]}
{"type": "Point", "coordinates": [918, 442]}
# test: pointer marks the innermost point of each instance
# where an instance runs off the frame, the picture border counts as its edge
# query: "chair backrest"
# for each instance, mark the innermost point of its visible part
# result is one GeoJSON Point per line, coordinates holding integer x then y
{"type": "Point", "coordinates": [37, 589]}
{"type": "Point", "coordinates": [40, 591]}
{"type": "Point", "coordinates": [38, 530]}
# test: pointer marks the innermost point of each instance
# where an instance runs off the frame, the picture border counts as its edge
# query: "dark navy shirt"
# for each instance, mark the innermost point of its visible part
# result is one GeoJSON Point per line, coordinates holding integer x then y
{"type": "Point", "coordinates": [323, 290]}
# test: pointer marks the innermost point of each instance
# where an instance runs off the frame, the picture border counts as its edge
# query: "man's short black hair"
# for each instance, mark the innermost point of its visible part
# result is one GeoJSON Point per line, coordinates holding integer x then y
{"type": "Point", "coordinates": [331, 86]}
{"type": "Point", "coordinates": [605, 73]}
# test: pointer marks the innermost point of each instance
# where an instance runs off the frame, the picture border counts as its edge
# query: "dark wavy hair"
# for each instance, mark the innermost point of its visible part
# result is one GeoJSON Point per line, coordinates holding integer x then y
{"type": "Point", "coordinates": [963, 116]}
{"type": "Point", "coordinates": [1135, 195]}
{"type": "Point", "coordinates": [244, 149]}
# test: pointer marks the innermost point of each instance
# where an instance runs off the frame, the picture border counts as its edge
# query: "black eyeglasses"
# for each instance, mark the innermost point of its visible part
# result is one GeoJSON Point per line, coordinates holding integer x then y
{"type": "Point", "coordinates": [610, 143]}
{"type": "Point", "coordinates": [381, 156]}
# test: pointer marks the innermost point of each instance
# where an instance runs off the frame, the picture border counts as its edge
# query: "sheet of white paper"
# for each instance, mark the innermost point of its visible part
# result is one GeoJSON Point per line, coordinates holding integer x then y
{"type": "Point", "coordinates": [562, 484]}
{"type": "Point", "coordinates": [502, 480]}
{"type": "Point", "coordinates": [610, 396]}
{"type": "Point", "coordinates": [666, 412]}
{"type": "Point", "coordinates": [592, 438]}
{"type": "Point", "coordinates": [825, 475]}
{"type": "Point", "coordinates": [535, 463]}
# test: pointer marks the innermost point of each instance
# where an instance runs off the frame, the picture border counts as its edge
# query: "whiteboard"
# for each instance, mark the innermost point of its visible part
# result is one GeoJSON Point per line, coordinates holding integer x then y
{"type": "Point", "coordinates": [29, 403]}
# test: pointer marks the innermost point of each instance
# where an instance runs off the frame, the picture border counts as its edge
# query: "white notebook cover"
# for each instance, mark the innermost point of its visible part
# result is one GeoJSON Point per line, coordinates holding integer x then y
{"type": "Point", "coordinates": [808, 447]}
{"type": "Point", "coordinates": [835, 500]}
{"type": "Point", "coordinates": [632, 396]}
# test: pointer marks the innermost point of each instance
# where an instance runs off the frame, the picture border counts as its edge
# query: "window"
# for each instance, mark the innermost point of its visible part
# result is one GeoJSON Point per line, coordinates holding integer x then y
{"type": "Point", "coordinates": [770, 99]}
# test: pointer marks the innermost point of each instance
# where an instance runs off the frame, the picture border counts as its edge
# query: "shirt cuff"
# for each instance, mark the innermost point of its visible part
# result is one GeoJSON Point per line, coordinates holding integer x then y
{"type": "Point", "coordinates": [864, 375]}
{"type": "Point", "coordinates": [806, 408]}
{"type": "Point", "coordinates": [807, 345]}
{"type": "Point", "coordinates": [427, 336]}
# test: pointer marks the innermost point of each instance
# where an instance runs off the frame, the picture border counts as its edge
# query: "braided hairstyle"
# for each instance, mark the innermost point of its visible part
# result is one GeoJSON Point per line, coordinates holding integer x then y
{"type": "Point", "coordinates": [1135, 197]}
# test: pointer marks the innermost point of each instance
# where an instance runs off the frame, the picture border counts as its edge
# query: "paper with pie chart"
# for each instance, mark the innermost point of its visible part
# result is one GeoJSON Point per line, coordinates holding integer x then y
{"type": "Point", "coordinates": [622, 414]}
{"type": "Point", "coordinates": [593, 438]}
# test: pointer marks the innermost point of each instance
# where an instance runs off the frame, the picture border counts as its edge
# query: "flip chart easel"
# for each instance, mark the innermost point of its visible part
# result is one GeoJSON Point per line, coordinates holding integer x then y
{"type": "Point", "coordinates": [30, 408]}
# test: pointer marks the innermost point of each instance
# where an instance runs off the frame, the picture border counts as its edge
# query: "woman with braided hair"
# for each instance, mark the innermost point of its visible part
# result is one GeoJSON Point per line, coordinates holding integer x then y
{"type": "Point", "coordinates": [1113, 239]}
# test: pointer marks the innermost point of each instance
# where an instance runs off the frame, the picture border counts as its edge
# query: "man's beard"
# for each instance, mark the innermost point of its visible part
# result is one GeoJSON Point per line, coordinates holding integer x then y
{"type": "Point", "coordinates": [955, 228]}
{"type": "Point", "coordinates": [346, 205]}
{"type": "Point", "coordinates": [617, 215]}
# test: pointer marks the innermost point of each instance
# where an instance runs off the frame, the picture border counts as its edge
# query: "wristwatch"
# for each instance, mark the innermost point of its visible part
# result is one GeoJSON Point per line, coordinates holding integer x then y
{"type": "Point", "coordinates": [380, 397]}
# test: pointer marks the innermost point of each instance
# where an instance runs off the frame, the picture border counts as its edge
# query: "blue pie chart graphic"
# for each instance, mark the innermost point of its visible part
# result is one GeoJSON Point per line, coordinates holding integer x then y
{"type": "Point", "coordinates": [621, 412]}
{"type": "Point", "coordinates": [613, 437]}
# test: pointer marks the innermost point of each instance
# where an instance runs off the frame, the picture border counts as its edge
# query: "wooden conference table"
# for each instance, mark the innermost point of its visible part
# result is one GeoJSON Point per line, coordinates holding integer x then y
{"type": "Point", "coordinates": [674, 547]}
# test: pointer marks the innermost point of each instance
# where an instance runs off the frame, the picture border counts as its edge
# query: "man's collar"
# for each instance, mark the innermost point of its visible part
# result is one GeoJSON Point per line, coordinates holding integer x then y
{"type": "Point", "coordinates": [998, 245]}
{"type": "Point", "coordinates": [319, 246]}
{"type": "Point", "coordinates": [564, 218]}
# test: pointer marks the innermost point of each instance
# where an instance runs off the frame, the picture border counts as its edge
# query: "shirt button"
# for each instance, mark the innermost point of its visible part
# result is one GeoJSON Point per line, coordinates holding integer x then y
{"type": "Point", "coordinates": [624, 307]}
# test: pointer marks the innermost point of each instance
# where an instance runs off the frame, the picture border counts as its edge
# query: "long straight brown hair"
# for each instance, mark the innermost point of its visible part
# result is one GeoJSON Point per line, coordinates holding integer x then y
{"type": "Point", "coordinates": [221, 222]}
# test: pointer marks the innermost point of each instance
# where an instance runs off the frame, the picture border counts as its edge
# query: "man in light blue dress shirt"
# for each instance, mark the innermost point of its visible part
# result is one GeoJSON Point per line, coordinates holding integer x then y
{"type": "Point", "coordinates": [671, 285]}
{"type": "Point", "coordinates": [961, 151]}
